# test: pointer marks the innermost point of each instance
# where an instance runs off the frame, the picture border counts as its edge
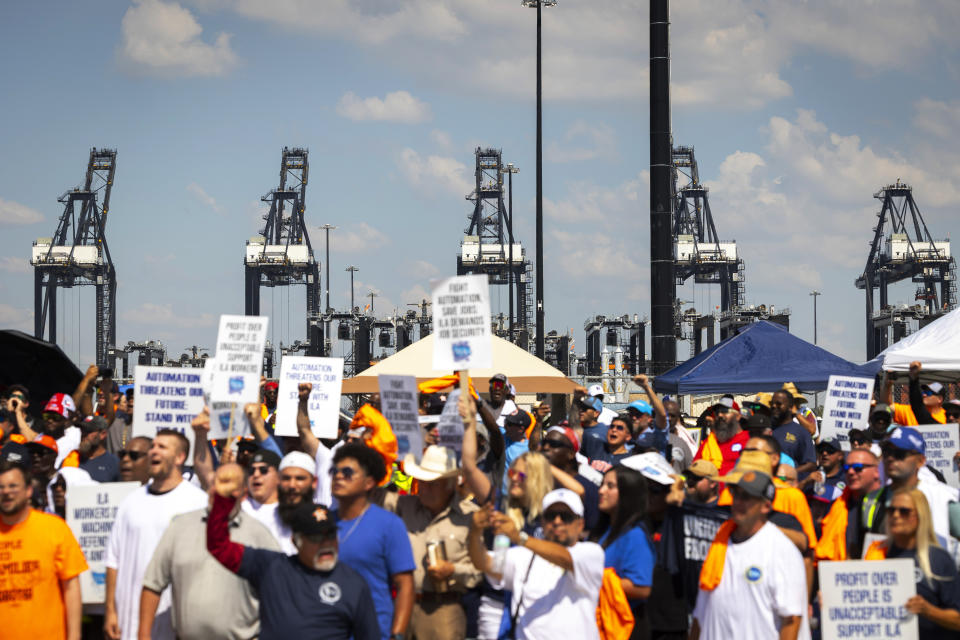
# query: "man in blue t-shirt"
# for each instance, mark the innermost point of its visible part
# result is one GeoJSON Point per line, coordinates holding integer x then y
{"type": "Point", "coordinates": [795, 441]}
{"type": "Point", "coordinates": [310, 594]}
{"type": "Point", "coordinates": [373, 541]}
{"type": "Point", "coordinates": [515, 437]}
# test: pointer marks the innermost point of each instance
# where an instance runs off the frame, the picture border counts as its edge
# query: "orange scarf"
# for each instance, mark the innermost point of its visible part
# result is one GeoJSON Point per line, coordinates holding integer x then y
{"type": "Point", "coordinates": [383, 440]}
{"type": "Point", "coordinates": [877, 550]}
{"type": "Point", "coordinates": [614, 617]}
{"type": "Point", "coordinates": [443, 382]}
{"type": "Point", "coordinates": [712, 570]}
{"type": "Point", "coordinates": [711, 451]}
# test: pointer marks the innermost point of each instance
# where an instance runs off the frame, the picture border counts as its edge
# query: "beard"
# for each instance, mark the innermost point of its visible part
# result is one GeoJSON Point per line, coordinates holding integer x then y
{"type": "Point", "coordinates": [324, 565]}
{"type": "Point", "coordinates": [289, 500]}
{"type": "Point", "coordinates": [725, 429]}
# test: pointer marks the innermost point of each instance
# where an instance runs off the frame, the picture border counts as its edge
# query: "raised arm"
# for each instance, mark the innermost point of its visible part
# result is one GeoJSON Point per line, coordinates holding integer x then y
{"type": "Point", "coordinates": [309, 441]}
{"type": "Point", "coordinates": [476, 480]}
{"type": "Point", "coordinates": [567, 481]}
{"type": "Point", "coordinates": [497, 445]}
{"type": "Point", "coordinates": [202, 460]}
{"type": "Point", "coordinates": [106, 388]}
{"type": "Point", "coordinates": [916, 396]}
{"type": "Point", "coordinates": [659, 413]}
{"type": "Point", "coordinates": [81, 393]}
{"type": "Point", "coordinates": [228, 487]}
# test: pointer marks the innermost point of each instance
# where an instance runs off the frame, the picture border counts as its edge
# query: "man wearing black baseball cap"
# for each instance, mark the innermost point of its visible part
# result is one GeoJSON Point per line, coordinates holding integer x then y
{"type": "Point", "coordinates": [263, 498]}
{"type": "Point", "coordinates": [309, 594]}
{"type": "Point", "coordinates": [749, 578]}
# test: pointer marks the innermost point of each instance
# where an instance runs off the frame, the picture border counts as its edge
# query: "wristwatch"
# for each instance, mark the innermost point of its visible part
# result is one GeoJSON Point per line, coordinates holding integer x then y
{"type": "Point", "coordinates": [524, 536]}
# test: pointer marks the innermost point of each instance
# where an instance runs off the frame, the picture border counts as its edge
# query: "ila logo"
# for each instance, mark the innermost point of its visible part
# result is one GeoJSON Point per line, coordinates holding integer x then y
{"type": "Point", "coordinates": [754, 574]}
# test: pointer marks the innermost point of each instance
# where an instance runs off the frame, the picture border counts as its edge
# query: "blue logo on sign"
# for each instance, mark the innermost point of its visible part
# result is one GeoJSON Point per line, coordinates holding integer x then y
{"type": "Point", "coordinates": [236, 384]}
{"type": "Point", "coordinates": [225, 420]}
{"type": "Point", "coordinates": [461, 351]}
{"type": "Point", "coordinates": [403, 444]}
{"type": "Point", "coordinates": [754, 574]}
{"type": "Point", "coordinates": [99, 578]}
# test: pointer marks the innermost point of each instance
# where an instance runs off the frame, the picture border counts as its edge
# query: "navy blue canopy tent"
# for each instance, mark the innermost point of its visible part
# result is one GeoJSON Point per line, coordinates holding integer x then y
{"type": "Point", "coordinates": [761, 357]}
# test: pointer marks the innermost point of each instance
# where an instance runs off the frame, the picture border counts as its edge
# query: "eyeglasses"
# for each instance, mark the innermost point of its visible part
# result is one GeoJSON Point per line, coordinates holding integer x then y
{"type": "Point", "coordinates": [558, 444]}
{"type": "Point", "coordinates": [902, 512]}
{"type": "Point", "coordinates": [857, 467]}
{"type": "Point", "coordinates": [566, 517]}
{"type": "Point", "coordinates": [896, 453]}
{"type": "Point", "coordinates": [346, 472]}
{"type": "Point", "coordinates": [129, 453]}
{"type": "Point", "coordinates": [514, 474]}
{"type": "Point", "coordinates": [260, 469]}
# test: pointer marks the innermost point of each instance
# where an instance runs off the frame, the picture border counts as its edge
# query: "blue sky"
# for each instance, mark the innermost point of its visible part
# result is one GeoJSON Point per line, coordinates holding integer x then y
{"type": "Point", "coordinates": [799, 112]}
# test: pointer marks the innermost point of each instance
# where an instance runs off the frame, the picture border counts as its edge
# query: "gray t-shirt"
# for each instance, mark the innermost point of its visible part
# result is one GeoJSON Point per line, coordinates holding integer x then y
{"type": "Point", "coordinates": [118, 434]}
{"type": "Point", "coordinates": [209, 601]}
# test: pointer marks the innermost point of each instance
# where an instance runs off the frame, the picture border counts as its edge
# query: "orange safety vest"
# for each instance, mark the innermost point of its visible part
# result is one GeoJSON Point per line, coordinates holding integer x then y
{"type": "Point", "coordinates": [833, 533]}
{"type": "Point", "coordinates": [614, 616]}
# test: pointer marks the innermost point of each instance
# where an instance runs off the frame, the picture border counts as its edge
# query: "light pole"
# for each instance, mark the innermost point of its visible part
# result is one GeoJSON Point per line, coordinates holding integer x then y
{"type": "Point", "coordinates": [510, 170]}
{"type": "Point", "coordinates": [372, 296]}
{"type": "Point", "coordinates": [352, 269]}
{"type": "Point", "coordinates": [326, 328]}
{"type": "Point", "coordinates": [815, 294]}
{"type": "Point", "coordinates": [537, 4]}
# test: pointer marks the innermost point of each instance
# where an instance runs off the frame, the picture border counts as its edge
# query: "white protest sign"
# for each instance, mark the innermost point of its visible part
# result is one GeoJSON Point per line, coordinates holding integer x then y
{"type": "Point", "coordinates": [220, 411]}
{"type": "Point", "coordinates": [866, 598]}
{"type": "Point", "coordinates": [846, 407]}
{"type": "Point", "coordinates": [941, 442]}
{"type": "Point", "coordinates": [239, 359]}
{"type": "Point", "coordinates": [91, 511]}
{"type": "Point", "coordinates": [461, 323]}
{"type": "Point", "coordinates": [323, 408]}
{"type": "Point", "coordinates": [398, 404]}
{"type": "Point", "coordinates": [451, 425]}
{"type": "Point", "coordinates": [167, 398]}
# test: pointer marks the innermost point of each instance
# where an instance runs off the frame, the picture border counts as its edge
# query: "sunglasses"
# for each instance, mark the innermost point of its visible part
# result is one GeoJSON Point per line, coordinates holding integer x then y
{"type": "Point", "coordinates": [926, 393]}
{"type": "Point", "coordinates": [857, 467]}
{"type": "Point", "coordinates": [346, 472]}
{"type": "Point", "coordinates": [128, 453]}
{"type": "Point", "coordinates": [896, 453]}
{"type": "Point", "coordinates": [18, 396]}
{"type": "Point", "coordinates": [566, 517]}
{"type": "Point", "coordinates": [556, 444]}
{"type": "Point", "coordinates": [859, 441]}
{"type": "Point", "coordinates": [52, 417]}
{"type": "Point", "coordinates": [496, 384]}
{"type": "Point", "coordinates": [519, 476]}
{"type": "Point", "coordinates": [260, 469]}
{"type": "Point", "coordinates": [902, 512]}
{"type": "Point", "coordinates": [617, 427]}
{"type": "Point", "coordinates": [693, 479]}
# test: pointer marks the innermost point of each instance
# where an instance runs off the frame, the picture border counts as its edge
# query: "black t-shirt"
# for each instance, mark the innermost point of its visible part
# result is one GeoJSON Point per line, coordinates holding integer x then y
{"type": "Point", "coordinates": [685, 539]}
{"type": "Point", "coordinates": [944, 594]}
{"type": "Point", "coordinates": [795, 441]}
{"type": "Point", "coordinates": [103, 468]}
{"type": "Point", "coordinates": [591, 500]}
{"type": "Point", "coordinates": [297, 602]}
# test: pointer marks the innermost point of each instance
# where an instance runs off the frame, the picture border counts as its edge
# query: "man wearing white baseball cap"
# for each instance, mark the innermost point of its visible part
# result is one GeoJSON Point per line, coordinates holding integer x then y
{"type": "Point", "coordinates": [555, 582]}
{"type": "Point", "coordinates": [298, 482]}
{"type": "Point", "coordinates": [607, 414]}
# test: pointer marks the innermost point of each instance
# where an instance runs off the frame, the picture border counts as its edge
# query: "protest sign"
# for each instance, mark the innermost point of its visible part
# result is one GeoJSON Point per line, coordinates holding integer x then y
{"type": "Point", "coordinates": [220, 412]}
{"type": "Point", "coordinates": [461, 323]}
{"type": "Point", "coordinates": [323, 408]}
{"type": "Point", "coordinates": [167, 398]}
{"type": "Point", "coordinates": [866, 598]}
{"type": "Point", "coordinates": [398, 404]}
{"type": "Point", "coordinates": [239, 359]}
{"type": "Point", "coordinates": [942, 441]}
{"type": "Point", "coordinates": [846, 407]}
{"type": "Point", "coordinates": [451, 425]}
{"type": "Point", "coordinates": [91, 511]}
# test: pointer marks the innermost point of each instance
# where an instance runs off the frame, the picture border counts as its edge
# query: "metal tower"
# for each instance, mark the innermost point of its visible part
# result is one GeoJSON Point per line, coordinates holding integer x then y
{"type": "Point", "coordinates": [282, 254]}
{"type": "Point", "coordinates": [78, 255]}
{"type": "Point", "coordinates": [489, 245]}
{"type": "Point", "coordinates": [902, 248]}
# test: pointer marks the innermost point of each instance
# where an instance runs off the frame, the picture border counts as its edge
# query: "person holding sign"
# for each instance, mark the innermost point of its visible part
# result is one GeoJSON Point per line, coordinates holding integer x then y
{"type": "Point", "coordinates": [910, 528]}
{"type": "Point", "coordinates": [308, 594]}
{"type": "Point", "coordinates": [39, 576]}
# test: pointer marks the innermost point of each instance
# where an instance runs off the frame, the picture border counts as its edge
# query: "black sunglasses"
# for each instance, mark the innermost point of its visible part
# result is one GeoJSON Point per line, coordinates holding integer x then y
{"type": "Point", "coordinates": [559, 444]}
{"type": "Point", "coordinates": [896, 453]}
{"type": "Point", "coordinates": [346, 472]}
{"type": "Point", "coordinates": [260, 469]}
{"type": "Point", "coordinates": [129, 453]}
{"type": "Point", "coordinates": [565, 516]}
{"type": "Point", "coordinates": [902, 512]}
{"type": "Point", "coordinates": [857, 467]}
{"type": "Point", "coordinates": [693, 479]}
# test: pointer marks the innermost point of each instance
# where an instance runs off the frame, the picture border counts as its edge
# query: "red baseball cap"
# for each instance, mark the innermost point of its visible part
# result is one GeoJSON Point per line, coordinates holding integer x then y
{"type": "Point", "coordinates": [271, 385]}
{"type": "Point", "coordinates": [45, 441]}
{"type": "Point", "coordinates": [62, 404]}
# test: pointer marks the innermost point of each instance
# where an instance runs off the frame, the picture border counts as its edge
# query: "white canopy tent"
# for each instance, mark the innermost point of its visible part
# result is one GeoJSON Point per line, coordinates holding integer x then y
{"type": "Point", "coordinates": [936, 346]}
{"type": "Point", "coordinates": [526, 372]}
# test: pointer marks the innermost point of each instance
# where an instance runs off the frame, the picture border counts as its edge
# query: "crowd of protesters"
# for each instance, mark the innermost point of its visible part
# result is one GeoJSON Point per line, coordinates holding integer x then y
{"type": "Point", "coordinates": [646, 523]}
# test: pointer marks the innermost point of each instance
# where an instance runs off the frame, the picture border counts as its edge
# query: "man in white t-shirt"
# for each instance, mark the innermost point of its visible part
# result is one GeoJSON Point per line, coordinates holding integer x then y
{"type": "Point", "coordinates": [555, 582]}
{"type": "Point", "coordinates": [757, 590]}
{"type": "Point", "coordinates": [262, 499]}
{"type": "Point", "coordinates": [141, 520]}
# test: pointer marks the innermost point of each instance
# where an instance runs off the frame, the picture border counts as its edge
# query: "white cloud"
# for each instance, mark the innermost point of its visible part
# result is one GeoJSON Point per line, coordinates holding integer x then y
{"type": "Point", "coordinates": [15, 213]}
{"type": "Point", "coordinates": [398, 106]}
{"type": "Point", "coordinates": [937, 118]}
{"type": "Point", "coordinates": [589, 202]}
{"type": "Point", "coordinates": [584, 141]}
{"type": "Point", "coordinates": [16, 317]}
{"type": "Point", "coordinates": [164, 38]}
{"type": "Point", "coordinates": [414, 295]}
{"type": "Point", "coordinates": [163, 315]}
{"type": "Point", "coordinates": [441, 139]}
{"type": "Point", "coordinates": [423, 270]}
{"type": "Point", "coordinates": [356, 238]}
{"type": "Point", "coordinates": [12, 264]}
{"type": "Point", "coordinates": [203, 197]}
{"type": "Point", "coordinates": [434, 173]}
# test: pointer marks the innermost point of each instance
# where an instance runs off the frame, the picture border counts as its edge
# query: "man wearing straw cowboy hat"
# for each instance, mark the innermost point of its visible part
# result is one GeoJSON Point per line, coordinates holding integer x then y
{"type": "Point", "coordinates": [438, 523]}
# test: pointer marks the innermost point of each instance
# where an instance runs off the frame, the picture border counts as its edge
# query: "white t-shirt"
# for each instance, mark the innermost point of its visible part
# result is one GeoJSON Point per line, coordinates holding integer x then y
{"type": "Point", "coordinates": [554, 603]}
{"type": "Point", "coordinates": [763, 581]}
{"type": "Point", "coordinates": [141, 520]}
{"type": "Point", "coordinates": [324, 460]}
{"type": "Point", "coordinates": [268, 516]}
{"type": "Point", "coordinates": [66, 443]}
